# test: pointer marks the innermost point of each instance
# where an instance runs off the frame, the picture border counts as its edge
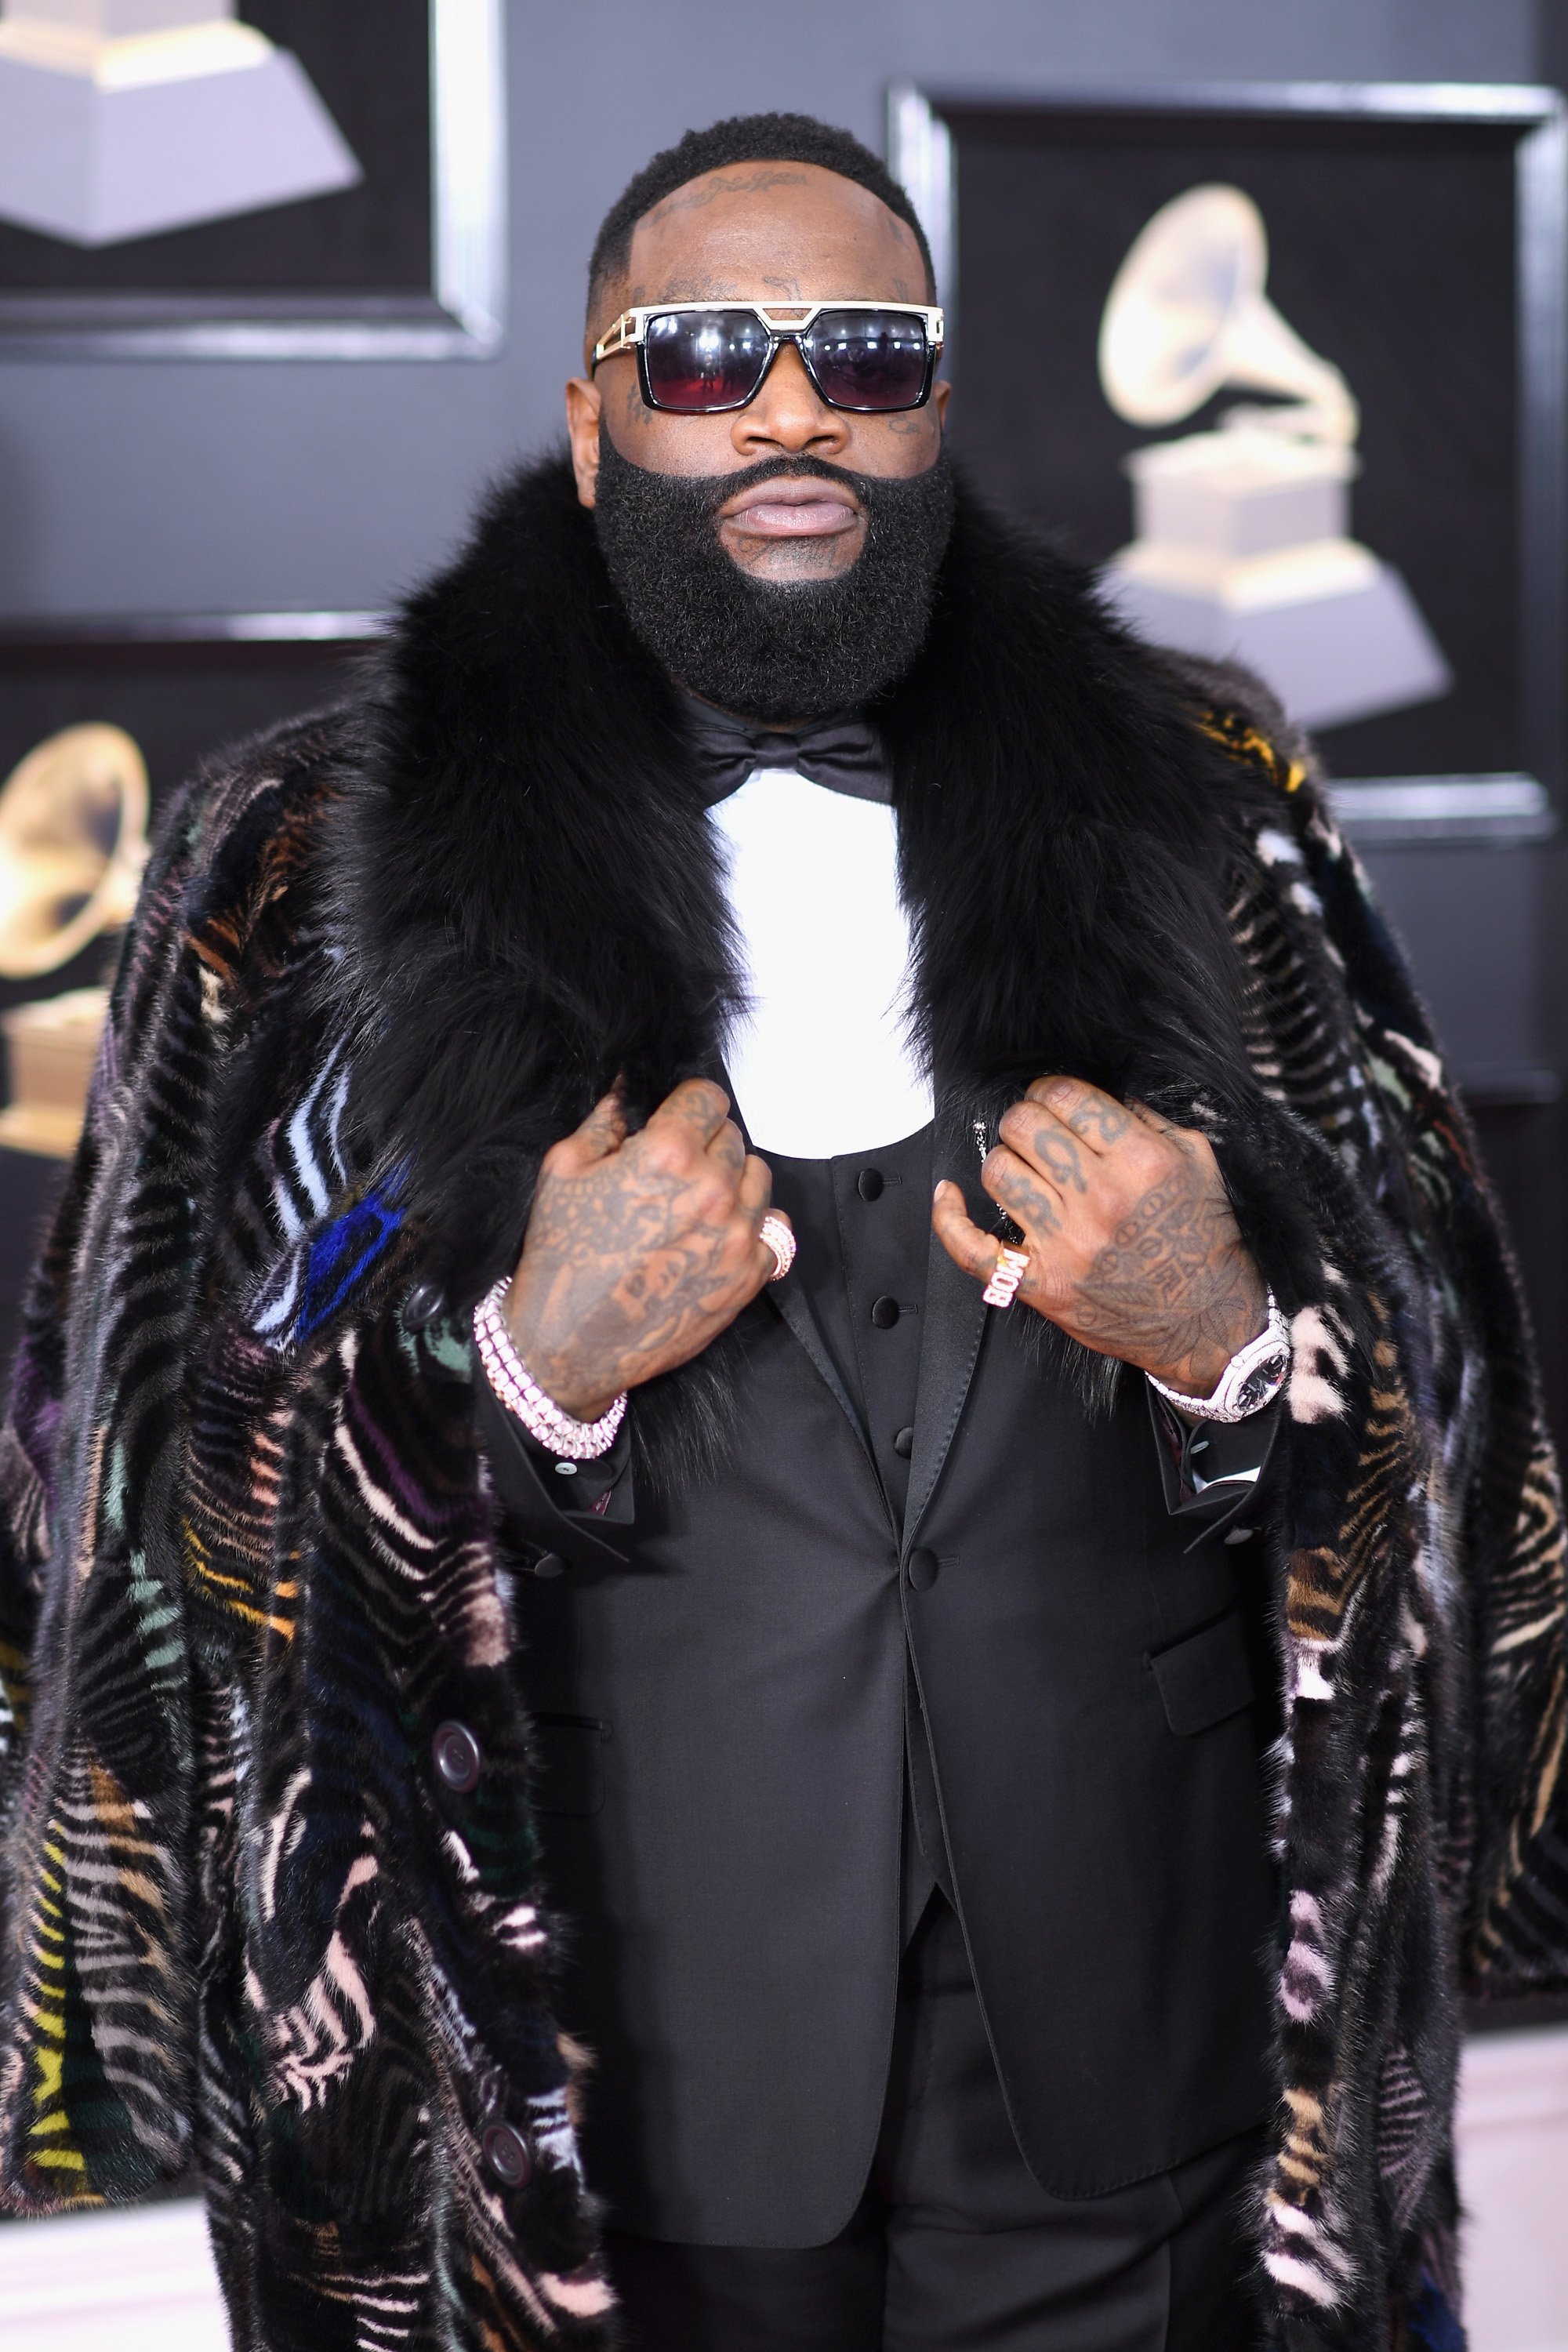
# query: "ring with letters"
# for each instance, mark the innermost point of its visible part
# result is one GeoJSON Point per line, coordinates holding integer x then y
{"type": "Point", "coordinates": [1012, 1265]}
{"type": "Point", "coordinates": [781, 1240]}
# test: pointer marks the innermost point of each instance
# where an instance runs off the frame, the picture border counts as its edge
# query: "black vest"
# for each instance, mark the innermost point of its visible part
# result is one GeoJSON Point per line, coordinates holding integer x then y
{"type": "Point", "coordinates": [919, 1516]}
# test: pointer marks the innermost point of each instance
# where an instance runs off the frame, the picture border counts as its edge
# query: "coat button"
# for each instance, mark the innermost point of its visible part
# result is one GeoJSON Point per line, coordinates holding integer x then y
{"type": "Point", "coordinates": [869, 1183]}
{"type": "Point", "coordinates": [506, 2156]}
{"type": "Point", "coordinates": [885, 1313]}
{"type": "Point", "coordinates": [457, 1754]}
{"type": "Point", "coordinates": [922, 1568]}
{"type": "Point", "coordinates": [549, 1563]}
{"type": "Point", "coordinates": [422, 1306]}
{"type": "Point", "coordinates": [1238, 1535]}
{"type": "Point", "coordinates": [904, 1444]}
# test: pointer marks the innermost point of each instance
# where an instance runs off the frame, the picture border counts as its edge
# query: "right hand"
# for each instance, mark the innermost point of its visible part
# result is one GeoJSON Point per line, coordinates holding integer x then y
{"type": "Point", "coordinates": [640, 1248]}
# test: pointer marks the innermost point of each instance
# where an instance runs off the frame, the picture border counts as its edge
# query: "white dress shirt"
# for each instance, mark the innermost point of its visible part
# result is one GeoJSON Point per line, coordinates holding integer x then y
{"type": "Point", "coordinates": [822, 1061]}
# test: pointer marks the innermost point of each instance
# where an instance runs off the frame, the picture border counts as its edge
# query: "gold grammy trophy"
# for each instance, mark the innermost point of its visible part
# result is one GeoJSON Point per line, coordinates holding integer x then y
{"type": "Point", "coordinates": [1243, 548]}
{"type": "Point", "coordinates": [73, 843]}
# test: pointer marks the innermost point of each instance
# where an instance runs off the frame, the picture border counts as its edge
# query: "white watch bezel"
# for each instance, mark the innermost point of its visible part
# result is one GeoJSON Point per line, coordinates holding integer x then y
{"type": "Point", "coordinates": [1253, 1378]}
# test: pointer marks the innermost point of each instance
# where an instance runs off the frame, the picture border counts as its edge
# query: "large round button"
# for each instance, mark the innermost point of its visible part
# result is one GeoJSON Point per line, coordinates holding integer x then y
{"type": "Point", "coordinates": [457, 1754]}
{"type": "Point", "coordinates": [549, 1563]}
{"type": "Point", "coordinates": [884, 1312]}
{"type": "Point", "coordinates": [422, 1306]}
{"type": "Point", "coordinates": [904, 1444]}
{"type": "Point", "coordinates": [507, 2156]}
{"type": "Point", "coordinates": [922, 1568]}
{"type": "Point", "coordinates": [869, 1183]}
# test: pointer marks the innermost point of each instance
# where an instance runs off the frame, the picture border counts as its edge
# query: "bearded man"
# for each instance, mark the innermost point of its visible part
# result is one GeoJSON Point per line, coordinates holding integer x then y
{"type": "Point", "coordinates": [773, 1355]}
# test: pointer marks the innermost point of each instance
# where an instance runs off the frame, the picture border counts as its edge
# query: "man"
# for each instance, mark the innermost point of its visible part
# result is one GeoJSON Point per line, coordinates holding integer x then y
{"type": "Point", "coordinates": [656, 1419]}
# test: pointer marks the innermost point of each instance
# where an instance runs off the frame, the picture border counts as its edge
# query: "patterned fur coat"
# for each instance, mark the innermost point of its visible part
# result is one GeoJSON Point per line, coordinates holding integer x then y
{"type": "Point", "coordinates": [249, 1564]}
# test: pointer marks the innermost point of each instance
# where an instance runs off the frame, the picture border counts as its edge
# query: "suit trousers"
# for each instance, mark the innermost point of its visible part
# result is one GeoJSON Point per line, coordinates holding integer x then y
{"type": "Point", "coordinates": [955, 2247]}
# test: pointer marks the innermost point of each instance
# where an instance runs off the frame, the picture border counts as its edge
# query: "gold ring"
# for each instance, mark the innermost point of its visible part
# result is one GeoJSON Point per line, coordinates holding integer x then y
{"type": "Point", "coordinates": [1012, 1265]}
{"type": "Point", "coordinates": [776, 1232]}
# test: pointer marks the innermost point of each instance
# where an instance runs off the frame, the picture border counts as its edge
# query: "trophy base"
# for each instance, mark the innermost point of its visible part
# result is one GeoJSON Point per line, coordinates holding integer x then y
{"type": "Point", "coordinates": [96, 163]}
{"type": "Point", "coordinates": [1337, 634]}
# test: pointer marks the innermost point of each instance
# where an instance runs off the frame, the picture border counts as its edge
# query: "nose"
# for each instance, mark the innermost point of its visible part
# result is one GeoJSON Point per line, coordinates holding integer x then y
{"type": "Point", "coordinates": [789, 417]}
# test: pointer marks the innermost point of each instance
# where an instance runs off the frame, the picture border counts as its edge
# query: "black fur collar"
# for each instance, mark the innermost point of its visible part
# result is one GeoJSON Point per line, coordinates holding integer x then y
{"type": "Point", "coordinates": [527, 900]}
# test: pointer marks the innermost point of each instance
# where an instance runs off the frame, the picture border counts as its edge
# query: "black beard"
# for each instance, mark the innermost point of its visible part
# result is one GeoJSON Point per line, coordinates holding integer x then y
{"type": "Point", "coordinates": [763, 649]}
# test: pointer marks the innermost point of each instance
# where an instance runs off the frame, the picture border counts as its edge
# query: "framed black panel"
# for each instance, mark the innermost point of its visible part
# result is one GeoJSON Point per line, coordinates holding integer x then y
{"type": "Point", "coordinates": [409, 262]}
{"type": "Point", "coordinates": [1415, 241]}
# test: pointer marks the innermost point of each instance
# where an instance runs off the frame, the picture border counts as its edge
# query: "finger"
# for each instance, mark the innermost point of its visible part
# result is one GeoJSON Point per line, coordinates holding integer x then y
{"type": "Point", "coordinates": [728, 1146]}
{"type": "Point", "coordinates": [960, 1236]}
{"type": "Point", "coordinates": [1017, 1186]}
{"type": "Point", "coordinates": [696, 1108]}
{"type": "Point", "coordinates": [1096, 1118]}
{"type": "Point", "coordinates": [1185, 1136]}
{"type": "Point", "coordinates": [1036, 1136]}
{"type": "Point", "coordinates": [754, 1196]}
{"type": "Point", "coordinates": [605, 1128]}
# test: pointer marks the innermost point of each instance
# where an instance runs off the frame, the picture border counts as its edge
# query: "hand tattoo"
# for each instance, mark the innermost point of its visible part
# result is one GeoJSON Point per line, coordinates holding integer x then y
{"type": "Point", "coordinates": [1174, 1278]}
{"type": "Point", "coordinates": [639, 1254]}
{"type": "Point", "coordinates": [1132, 1245]}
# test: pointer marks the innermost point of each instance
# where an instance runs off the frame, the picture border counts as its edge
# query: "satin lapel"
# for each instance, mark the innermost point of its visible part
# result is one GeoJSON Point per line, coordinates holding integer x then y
{"type": "Point", "coordinates": [955, 1315]}
{"type": "Point", "coordinates": [791, 1300]}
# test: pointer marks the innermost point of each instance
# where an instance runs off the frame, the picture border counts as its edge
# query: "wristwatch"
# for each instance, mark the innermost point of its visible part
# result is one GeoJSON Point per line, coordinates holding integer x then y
{"type": "Point", "coordinates": [1253, 1378]}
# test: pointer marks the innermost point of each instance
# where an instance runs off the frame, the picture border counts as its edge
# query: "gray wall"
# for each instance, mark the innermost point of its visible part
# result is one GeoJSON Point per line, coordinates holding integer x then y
{"type": "Point", "coordinates": [210, 487]}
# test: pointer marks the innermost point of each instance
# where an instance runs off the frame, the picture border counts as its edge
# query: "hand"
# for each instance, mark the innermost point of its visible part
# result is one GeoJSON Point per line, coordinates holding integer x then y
{"type": "Point", "coordinates": [1133, 1246]}
{"type": "Point", "coordinates": [639, 1249]}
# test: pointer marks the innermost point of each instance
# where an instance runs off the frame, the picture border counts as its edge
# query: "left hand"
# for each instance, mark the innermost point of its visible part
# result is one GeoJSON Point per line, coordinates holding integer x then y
{"type": "Point", "coordinates": [1133, 1247]}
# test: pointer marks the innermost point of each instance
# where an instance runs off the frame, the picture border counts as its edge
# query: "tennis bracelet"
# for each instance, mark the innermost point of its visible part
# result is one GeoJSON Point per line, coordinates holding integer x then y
{"type": "Point", "coordinates": [514, 1384]}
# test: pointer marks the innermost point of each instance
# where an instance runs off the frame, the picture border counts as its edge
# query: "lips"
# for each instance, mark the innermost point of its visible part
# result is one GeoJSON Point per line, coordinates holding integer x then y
{"type": "Point", "coordinates": [806, 508]}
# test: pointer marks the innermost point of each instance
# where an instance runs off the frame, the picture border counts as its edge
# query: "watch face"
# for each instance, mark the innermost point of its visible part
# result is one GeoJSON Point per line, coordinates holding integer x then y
{"type": "Point", "coordinates": [1261, 1379]}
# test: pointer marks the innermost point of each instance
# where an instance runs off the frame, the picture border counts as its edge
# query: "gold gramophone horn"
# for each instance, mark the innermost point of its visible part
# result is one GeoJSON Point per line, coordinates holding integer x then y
{"type": "Point", "coordinates": [73, 842]}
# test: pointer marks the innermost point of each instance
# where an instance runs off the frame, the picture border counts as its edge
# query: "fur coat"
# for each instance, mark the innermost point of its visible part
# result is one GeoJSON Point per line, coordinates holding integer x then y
{"type": "Point", "coordinates": [249, 1564]}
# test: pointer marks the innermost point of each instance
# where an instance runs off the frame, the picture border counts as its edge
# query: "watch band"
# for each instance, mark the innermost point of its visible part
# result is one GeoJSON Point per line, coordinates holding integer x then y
{"type": "Point", "coordinates": [1253, 1378]}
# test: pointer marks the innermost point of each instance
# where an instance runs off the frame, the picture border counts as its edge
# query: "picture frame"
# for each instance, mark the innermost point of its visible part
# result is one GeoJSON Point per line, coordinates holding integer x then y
{"type": "Point", "coordinates": [408, 262]}
{"type": "Point", "coordinates": [1383, 203]}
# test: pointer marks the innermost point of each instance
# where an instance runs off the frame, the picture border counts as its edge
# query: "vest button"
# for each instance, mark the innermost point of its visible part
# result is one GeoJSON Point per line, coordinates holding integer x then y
{"type": "Point", "coordinates": [922, 1568]}
{"type": "Point", "coordinates": [549, 1563]}
{"type": "Point", "coordinates": [904, 1444]}
{"type": "Point", "coordinates": [456, 1755]}
{"type": "Point", "coordinates": [869, 1183]}
{"type": "Point", "coordinates": [885, 1313]}
{"type": "Point", "coordinates": [506, 2156]}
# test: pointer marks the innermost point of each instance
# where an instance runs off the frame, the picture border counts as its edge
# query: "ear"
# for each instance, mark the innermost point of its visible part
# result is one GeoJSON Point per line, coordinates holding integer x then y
{"type": "Point", "coordinates": [584, 402]}
{"type": "Point", "coordinates": [941, 395]}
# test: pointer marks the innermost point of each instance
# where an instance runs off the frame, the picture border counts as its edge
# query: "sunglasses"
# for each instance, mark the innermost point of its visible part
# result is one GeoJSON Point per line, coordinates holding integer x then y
{"type": "Point", "coordinates": [700, 358]}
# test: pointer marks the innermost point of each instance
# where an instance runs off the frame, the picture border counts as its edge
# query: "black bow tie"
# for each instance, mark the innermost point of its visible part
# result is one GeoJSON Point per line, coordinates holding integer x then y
{"type": "Point", "coordinates": [842, 754]}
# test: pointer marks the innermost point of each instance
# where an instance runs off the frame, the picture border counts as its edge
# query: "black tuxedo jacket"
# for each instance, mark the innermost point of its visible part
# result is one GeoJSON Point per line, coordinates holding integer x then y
{"type": "Point", "coordinates": [921, 1524]}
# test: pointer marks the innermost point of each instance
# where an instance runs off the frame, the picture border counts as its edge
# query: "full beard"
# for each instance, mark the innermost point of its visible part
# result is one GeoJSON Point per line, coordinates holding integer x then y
{"type": "Point", "coordinates": [761, 648]}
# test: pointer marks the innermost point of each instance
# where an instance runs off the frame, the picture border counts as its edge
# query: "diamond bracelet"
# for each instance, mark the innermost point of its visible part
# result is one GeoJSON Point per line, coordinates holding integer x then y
{"type": "Point", "coordinates": [514, 1384]}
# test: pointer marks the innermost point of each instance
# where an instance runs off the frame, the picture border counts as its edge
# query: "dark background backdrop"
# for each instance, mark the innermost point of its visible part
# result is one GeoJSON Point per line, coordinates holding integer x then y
{"type": "Point", "coordinates": [1392, 254]}
{"type": "Point", "coordinates": [369, 60]}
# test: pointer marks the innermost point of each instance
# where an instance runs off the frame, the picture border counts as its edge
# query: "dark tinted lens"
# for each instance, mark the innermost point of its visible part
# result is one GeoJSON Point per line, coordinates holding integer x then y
{"type": "Point", "coordinates": [703, 359]}
{"type": "Point", "coordinates": [868, 359]}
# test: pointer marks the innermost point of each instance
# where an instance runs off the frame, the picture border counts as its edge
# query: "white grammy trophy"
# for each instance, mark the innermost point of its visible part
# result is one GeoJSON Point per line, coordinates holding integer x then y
{"type": "Point", "coordinates": [122, 118]}
{"type": "Point", "coordinates": [1243, 546]}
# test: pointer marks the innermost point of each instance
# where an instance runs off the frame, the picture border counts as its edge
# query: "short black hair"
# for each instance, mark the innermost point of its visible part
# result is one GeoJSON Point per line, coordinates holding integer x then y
{"type": "Point", "coordinates": [745, 138]}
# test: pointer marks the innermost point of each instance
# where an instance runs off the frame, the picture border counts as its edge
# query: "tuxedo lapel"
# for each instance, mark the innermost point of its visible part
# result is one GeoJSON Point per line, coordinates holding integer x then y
{"type": "Point", "coordinates": [955, 1315]}
{"type": "Point", "coordinates": [789, 1297]}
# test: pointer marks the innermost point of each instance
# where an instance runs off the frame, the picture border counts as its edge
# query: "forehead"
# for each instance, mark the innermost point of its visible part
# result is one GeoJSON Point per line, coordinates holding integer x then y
{"type": "Point", "coordinates": [790, 229]}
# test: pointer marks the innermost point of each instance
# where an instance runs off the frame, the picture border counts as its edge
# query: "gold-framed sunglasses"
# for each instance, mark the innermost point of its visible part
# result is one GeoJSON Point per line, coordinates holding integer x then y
{"type": "Point", "coordinates": [700, 358]}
